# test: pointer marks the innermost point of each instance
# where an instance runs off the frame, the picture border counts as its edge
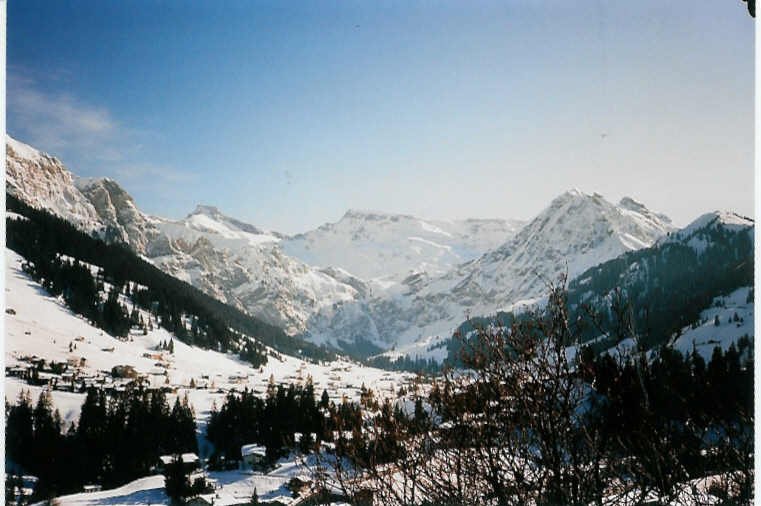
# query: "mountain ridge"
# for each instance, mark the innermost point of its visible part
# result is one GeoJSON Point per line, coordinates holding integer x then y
{"type": "Point", "coordinates": [236, 262]}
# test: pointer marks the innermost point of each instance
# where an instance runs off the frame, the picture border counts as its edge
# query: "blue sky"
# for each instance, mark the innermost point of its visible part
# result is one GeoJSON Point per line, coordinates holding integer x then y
{"type": "Point", "coordinates": [285, 114]}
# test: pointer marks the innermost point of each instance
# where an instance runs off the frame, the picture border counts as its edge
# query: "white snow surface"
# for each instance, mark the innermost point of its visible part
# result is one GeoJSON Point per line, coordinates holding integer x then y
{"type": "Point", "coordinates": [389, 247]}
{"type": "Point", "coordinates": [44, 327]}
{"type": "Point", "coordinates": [707, 335]}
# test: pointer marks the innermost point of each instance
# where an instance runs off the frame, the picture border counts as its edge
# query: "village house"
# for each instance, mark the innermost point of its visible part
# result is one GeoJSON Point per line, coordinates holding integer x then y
{"type": "Point", "coordinates": [254, 456]}
{"type": "Point", "coordinates": [190, 462]}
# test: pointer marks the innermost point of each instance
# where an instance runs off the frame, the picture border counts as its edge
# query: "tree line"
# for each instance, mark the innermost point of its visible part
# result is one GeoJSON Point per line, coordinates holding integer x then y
{"type": "Point", "coordinates": [118, 438]}
{"type": "Point", "coordinates": [665, 286]}
{"type": "Point", "coordinates": [273, 421]}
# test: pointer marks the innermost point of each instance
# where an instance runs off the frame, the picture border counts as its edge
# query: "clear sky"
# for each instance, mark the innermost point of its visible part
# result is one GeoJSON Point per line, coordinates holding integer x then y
{"type": "Point", "coordinates": [285, 114]}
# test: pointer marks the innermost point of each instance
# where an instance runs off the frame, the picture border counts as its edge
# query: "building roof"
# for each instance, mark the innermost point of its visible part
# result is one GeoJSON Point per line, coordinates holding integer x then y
{"type": "Point", "coordinates": [186, 458]}
{"type": "Point", "coordinates": [253, 449]}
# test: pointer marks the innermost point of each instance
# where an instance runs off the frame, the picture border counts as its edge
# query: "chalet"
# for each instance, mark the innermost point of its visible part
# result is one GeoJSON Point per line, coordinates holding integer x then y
{"type": "Point", "coordinates": [197, 475]}
{"type": "Point", "coordinates": [201, 500]}
{"type": "Point", "coordinates": [237, 378]}
{"type": "Point", "coordinates": [36, 361]}
{"type": "Point", "coordinates": [88, 489]}
{"type": "Point", "coordinates": [123, 371]}
{"type": "Point", "coordinates": [190, 462]}
{"type": "Point", "coordinates": [44, 378]}
{"type": "Point", "coordinates": [17, 371]}
{"type": "Point", "coordinates": [254, 456]}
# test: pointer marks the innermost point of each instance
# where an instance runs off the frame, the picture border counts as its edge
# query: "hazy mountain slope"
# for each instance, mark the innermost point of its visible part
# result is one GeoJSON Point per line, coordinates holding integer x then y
{"type": "Point", "coordinates": [246, 267]}
{"type": "Point", "coordinates": [575, 232]}
{"type": "Point", "coordinates": [389, 247]}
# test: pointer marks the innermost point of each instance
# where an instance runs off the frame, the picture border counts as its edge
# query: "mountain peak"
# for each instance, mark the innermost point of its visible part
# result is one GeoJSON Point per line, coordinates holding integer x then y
{"type": "Point", "coordinates": [574, 195]}
{"type": "Point", "coordinates": [22, 150]}
{"type": "Point", "coordinates": [368, 214]}
{"type": "Point", "coordinates": [83, 183]}
{"type": "Point", "coordinates": [210, 219]}
{"type": "Point", "coordinates": [207, 210]}
{"type": "Point", "coordinates": [632, 204]}
{"type": "Point", "coordinates": [726, 219]}
{"type": "Point", "coordinates": [587, 227]}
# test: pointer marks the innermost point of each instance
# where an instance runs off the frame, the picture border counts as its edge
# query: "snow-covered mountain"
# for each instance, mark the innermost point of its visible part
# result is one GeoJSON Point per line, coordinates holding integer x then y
{"type": "Point", "coordinates": [231, 260]}
{"type": "Point", "coordinates": [575, 232]}
{"type": "Point", "coordinates": [697, 233]}
{"type": "Point", "coordinates": [122, 220]}
{"type": "Point", "coordinates": [385, 279]}
{"type": "Point", "coordinates": [42, 181]}
{"type": "Point", "coordinates": [387, 248]}
{"type": "Point", "coordinates": [96, 205]}
{"type": "Point", "coordinates": [245, 266]}
{"type": "Point", "coordinates": [288, 282]}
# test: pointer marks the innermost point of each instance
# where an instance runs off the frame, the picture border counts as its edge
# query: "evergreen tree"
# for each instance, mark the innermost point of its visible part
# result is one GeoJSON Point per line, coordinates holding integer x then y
{"type": "Point", "coordinates": [176, 482]}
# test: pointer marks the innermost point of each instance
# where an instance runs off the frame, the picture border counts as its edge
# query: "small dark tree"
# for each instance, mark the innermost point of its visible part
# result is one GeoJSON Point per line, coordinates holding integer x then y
{"type": "Point", "coordinates": [176, 482]}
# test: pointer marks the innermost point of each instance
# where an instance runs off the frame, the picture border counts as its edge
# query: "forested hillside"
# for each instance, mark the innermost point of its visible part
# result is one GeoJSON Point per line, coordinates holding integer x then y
{"type": "Point", "coordinates": [664, 288]}
{"type": "Point", "coordinates": [652, 292]}
{"type": "Point", "coordinates": [57, 252]}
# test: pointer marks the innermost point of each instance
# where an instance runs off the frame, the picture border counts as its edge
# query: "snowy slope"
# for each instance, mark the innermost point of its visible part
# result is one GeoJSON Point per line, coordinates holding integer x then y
{"type": "Point", "coordinates": [44, 327]}
{"type": "Point", "coordinates": [384, 247]}
{"type": "Point", "coordinates": [706, 335]}
{"type": "Point", "coordinates": [697, 233]}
